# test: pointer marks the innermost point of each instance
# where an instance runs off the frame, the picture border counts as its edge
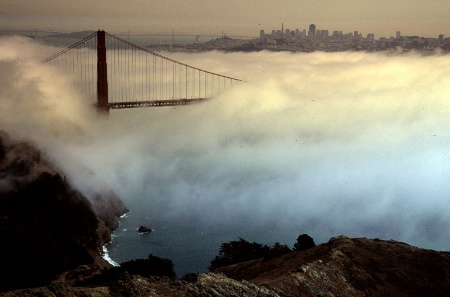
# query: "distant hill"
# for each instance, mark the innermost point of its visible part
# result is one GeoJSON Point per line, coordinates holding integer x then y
{"type": "Point", "coordinates": [77, 35]}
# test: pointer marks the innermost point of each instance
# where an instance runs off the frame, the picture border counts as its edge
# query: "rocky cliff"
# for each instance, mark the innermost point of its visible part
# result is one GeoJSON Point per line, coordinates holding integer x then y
{"type": "Point", "coordinates": [46, 226]}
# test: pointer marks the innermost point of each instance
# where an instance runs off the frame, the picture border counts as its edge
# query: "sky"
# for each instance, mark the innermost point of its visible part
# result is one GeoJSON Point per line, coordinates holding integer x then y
{"type": "Point", "coordinates": [326, 144]}
{"type": "Point", "coordinates": [233, 17]}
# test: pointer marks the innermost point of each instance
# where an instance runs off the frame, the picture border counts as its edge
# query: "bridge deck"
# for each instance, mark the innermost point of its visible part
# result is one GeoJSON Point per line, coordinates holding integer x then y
{"type": "Point", "coordinates": [155, 103]}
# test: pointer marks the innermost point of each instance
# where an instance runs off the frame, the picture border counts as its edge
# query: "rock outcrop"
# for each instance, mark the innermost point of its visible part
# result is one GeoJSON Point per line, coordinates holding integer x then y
{"type": "Point", "coordinates": [144, 229]}
{"type": "Point", "coordinates": [108, 207]}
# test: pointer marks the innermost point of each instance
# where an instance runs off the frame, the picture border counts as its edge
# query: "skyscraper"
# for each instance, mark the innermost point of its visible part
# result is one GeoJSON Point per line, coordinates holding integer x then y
{"type": "Point", "coordinates": [262, 34]}
{"type": "Point", "coordinates": [312, 30]}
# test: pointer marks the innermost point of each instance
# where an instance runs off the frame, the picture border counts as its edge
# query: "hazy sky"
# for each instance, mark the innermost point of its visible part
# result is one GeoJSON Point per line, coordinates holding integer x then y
{"type": "Point", "coordinates": [234, 17]}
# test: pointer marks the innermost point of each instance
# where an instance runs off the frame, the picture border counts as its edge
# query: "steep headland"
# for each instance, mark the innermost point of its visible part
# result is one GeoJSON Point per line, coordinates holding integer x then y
{"type": "Point", "coordinates": [46, 226]}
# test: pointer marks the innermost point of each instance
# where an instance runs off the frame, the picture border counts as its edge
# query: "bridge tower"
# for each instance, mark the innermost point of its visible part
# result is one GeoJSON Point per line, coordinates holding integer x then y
{"type": "Point", "coordinates": [102, 73]}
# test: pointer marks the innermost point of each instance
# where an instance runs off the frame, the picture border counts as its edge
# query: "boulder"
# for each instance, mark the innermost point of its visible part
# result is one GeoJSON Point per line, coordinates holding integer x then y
{"type": "Point", "coordinates": [144, 229]}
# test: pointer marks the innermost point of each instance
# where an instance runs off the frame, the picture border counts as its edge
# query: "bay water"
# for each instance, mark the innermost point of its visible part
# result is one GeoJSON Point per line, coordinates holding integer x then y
{"type": "Point", "coordinates": [191, 248]}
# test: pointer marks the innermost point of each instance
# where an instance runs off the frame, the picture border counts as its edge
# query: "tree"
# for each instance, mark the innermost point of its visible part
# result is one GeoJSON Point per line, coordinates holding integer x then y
{"type": "Point", "coordinates": [304, 242]}
{"type": "Point", "coordinates": [278, 250]}
{"type": "Point", "coordinates": [239, 251]}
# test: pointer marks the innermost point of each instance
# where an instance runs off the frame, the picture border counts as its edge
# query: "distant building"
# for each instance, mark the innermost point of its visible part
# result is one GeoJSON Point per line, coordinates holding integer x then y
{"type": "Point", "coordinates": [312, 30]}
{"type": "Point", "coordinates": [397, 34]}
{"type": "Point", "coordinates": [287, 32]}
{"type": "Point", "coordinates": [347, 35]}
{"type": "Point", "coordinates": [262, 35]}
{"type": "Point", "coordinates": [371, 36]}
{"type": "Point", "coordinates": [279, 34]}
{"type": "Point", "coordinates": [441, 37]}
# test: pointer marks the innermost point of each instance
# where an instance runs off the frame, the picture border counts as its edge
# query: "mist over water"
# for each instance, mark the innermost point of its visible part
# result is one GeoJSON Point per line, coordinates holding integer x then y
{"type": "Point", "coordinates": [319, 143]}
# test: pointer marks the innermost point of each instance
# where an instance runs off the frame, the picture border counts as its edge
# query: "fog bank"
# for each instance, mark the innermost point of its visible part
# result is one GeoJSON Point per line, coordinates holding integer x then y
{"type": "Point", "coordinates": [318, 143]}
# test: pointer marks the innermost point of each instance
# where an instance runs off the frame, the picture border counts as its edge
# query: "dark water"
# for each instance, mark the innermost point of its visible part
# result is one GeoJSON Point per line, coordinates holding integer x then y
{"type": "Point", "coordinates": [191, 248]}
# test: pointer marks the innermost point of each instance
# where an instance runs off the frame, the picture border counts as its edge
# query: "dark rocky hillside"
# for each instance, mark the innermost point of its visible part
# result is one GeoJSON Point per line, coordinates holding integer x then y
{"type": "Point", "coordinates": [46, 226]}
{"type": "Point", "coordinates": [351, 267]}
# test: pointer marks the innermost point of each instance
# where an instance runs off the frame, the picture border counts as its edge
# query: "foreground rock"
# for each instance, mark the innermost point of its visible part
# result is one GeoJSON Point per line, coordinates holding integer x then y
{"type": "Point", "coordinates": [207, 285]}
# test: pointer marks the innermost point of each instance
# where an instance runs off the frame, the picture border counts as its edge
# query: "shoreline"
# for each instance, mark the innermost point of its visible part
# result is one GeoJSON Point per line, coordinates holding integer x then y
{"type": "Point", "coordinates": [105, 255]}
{"type": "Point", "coordinates": [105, 251]}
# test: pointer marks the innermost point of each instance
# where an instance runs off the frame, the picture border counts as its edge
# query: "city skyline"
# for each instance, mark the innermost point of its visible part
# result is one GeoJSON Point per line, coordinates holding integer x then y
{"type": "Point", "coordinates": [314, 30]}
{"type": "Point", "coordinates": [245, 18]}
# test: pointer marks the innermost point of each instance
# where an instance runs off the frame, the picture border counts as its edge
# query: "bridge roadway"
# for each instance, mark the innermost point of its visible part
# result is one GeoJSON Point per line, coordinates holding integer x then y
{"type": "Point", "coordinates": [155, 103]}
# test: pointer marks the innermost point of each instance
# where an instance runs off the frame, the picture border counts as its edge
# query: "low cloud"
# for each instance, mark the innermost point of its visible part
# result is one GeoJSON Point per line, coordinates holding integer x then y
{"type": "Point", "coordinates": [318, 143]}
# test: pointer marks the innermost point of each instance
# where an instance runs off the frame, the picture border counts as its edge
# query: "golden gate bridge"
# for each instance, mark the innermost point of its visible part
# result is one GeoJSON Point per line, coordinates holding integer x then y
{"type": "Point", "coordinates": [124, 75]}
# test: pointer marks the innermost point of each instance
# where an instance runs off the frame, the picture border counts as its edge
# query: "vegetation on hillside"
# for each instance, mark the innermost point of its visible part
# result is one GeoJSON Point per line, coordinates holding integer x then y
{"type": "Point", "coordinates": [241, 250]}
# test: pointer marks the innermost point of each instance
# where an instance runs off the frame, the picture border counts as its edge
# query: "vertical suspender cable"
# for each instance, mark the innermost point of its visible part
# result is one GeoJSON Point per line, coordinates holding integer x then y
{"type": "Point", "coordinates": [146, 73]}
{"type": "Point", "coordinates": [154, 77]}
{"type": "Point", "coordinates": [186, 82]}
{"type": "Point", "coordinates": [161, 78]}
{"type": "Point", "coordinates": [133, 74]}
{"type": "Point", "coordinates": [166, 82]}
{"type": "Point", "coordinates": [173, 80]}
